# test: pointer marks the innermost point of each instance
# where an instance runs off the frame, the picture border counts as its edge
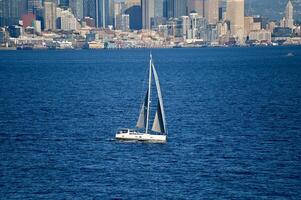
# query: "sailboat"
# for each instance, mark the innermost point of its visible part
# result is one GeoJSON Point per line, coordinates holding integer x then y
{"type": "Point", "coordinates": [142, 132]}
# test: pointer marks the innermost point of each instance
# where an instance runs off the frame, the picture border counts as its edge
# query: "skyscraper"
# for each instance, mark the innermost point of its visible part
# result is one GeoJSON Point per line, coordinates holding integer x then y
{"type": "Point", "coordinates": [49, 16]}
{"type": "Point", "coordinates": [289, 11]}
{"type": "Point", "coordinates": [133, 9]}
{"type": "Point", "coordinates": [104, 13]}
{"type": "Point", "coordinates": [205, 8]}
{"type": "Point", "coordinates": [196, 6]}
{"type": "Point", "coordinates": [77, 7]}
{"type": "Point", "coordinates": [32, 5]}
{"type": "Point", "coordinates": [211, 11]}
{"type": "Point", "coordinates": [176, 8]}
{"type": "Point", "coordinates": [235, 14]}
{"type": "Point", "coordinates": [89, 9]}
{"type": "Point", "coordinates": [148, 12]}
{"type": "Point", "coordinates": [10, 11]}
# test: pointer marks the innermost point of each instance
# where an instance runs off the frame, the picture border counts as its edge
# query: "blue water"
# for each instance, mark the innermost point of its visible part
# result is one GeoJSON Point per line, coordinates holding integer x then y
{"type": "Point", "coordinates": [233, 114]}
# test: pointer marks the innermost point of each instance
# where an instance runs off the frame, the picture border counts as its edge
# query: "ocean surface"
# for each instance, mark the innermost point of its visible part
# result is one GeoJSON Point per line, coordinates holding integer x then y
{"type": "Point", "coordinates": [233, 115]}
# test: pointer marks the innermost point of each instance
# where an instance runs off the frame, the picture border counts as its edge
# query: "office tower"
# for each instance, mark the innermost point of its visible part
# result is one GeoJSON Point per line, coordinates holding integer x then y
{"type": "Point", "coordinates": [49, 16]}
{"type": "Point", "coordinates": [208, 9]}
{"type": "Point", "coordinates": [77, 7]}
{"type": "Point", "coordinates": [148, 12]}
{"type": "Point", "coordinates": [289, 11]}
{"type": "Point", "coordinates": [68, 21]}
{"type": "Point", "coordinates": [211, 11]}
{"type": "Point", "coordinates": [123, 22]}
{"type": "Point", "coordinates": [135, 13]}
{"type": "Point", "coordinates": [176, 8]}
{"type": "Point", "coordinates": [89, 8]}
{"type": "Point", "coordinates": [235, 14]}
{"type": "Point", "coordinates": [32, 5]}
{"type": "Point", "coordinates": [10, 11]}
{"type": "Point", "coordinates": [63, 3]}
{"type": "Point", "coordinates": [104, 13]}
{"type": "Point", "coordinates": [196, 6]}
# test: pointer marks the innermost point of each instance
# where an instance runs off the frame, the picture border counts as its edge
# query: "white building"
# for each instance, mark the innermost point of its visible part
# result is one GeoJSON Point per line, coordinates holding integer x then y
{"type": "Point", "coordinates": [68, 20]}
{"type": "Point", "coordinates": [260, 36]}
{"type": "Point", "coordinates": [289, 19]}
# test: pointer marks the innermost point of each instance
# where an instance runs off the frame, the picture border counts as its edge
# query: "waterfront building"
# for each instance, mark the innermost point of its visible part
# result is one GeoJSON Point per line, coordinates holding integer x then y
{"type": "Point", "coordinates": [235, 15]}
{"type": "Point", "coordinates": [271, 26]}
{"type": "Point", "coordinates": [289, 11]}
{"type": "Point", "coordinates": [37, 26]}
{"type": "Point", "coordinates": [2, 36]}
{"type": "Point", "coordinates": [250, 24]}
{"type": "Point", "coordinates": [49, 16]}
{"type": "Point", "coordinates": [89, 21]}
{"type": "Point", "coordinates": [260, 36]}
{"type": "Point", "coordinates": [28, 19]}
{"type": "Point", "coordinates": [123, 22]}
{"type": "Point", "coordinates": [222, 29]}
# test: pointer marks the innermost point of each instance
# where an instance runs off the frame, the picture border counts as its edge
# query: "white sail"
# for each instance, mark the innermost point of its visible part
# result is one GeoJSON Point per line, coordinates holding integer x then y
{"type": "Point", "coordinates": [141, 123]}
{"type": "Point", "coordinates": [159, 124]}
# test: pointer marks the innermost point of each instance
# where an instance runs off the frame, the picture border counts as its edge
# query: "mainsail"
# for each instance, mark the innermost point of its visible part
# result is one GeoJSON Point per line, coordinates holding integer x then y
{"type": "Point", "coordinates": [159, 124]}
{"type": "Point", "coordinates": [141, 123]}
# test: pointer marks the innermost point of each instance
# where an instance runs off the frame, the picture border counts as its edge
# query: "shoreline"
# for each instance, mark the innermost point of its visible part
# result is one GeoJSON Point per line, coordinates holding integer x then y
{"type": "Point", "coordinates": [105, 49]}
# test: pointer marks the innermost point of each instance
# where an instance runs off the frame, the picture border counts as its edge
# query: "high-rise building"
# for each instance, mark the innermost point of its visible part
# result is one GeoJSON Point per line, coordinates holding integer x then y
{"type": "Point", "coordinates": [77, 7]}
{"type": "Point", "coordinates": [205, 8]}
{"type": "Point", "coordinates": [89, 9]}
{"type": "Point", "coordinates": [123, 22]}
{"type": "Point", "coordinates": [176, 8]}
{"type": "Point", "coordinates": [10, 11]}
{"type": "Point", "coordinates": [63, 3]}
{"type": "Point", "coordinates": [196, 6]}
{"type": "Point", "coordinates": [32, 5]}
{"type": "Point", "coordinates": [49, 16]}
{"type": "Point", "coordinates": [104, 13]}
{"type": "Point", "coordinates": [148, 12]}
{"type": "Point", "coordinates": [235, 14]}
{"type": "Point", "coordinates": [135, 13]}
{"type": "Point", "coordinates": [68, 21]}
{"type": "Point", "coordinates": [289, 19]}
{"type": "Point", "coordinates": [211, 11]}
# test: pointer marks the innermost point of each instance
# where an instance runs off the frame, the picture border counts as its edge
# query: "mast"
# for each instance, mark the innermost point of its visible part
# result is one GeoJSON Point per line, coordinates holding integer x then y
{"type": "Point", "coordinates": [149, 92]}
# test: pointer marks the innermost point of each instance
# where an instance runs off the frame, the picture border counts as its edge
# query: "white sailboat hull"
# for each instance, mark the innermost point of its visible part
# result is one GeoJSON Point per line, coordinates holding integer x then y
{"type": "Point", "coordinates": [144, 137]}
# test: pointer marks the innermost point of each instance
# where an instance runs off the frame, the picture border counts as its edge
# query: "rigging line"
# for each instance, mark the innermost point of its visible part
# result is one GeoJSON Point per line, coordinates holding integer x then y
{"type": "Point", "coordinates": [142, 95]}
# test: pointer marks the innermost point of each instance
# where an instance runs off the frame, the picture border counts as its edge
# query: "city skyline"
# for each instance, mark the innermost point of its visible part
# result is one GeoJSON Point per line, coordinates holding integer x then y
{"type": "Point", "coordinates": [170, 22]}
